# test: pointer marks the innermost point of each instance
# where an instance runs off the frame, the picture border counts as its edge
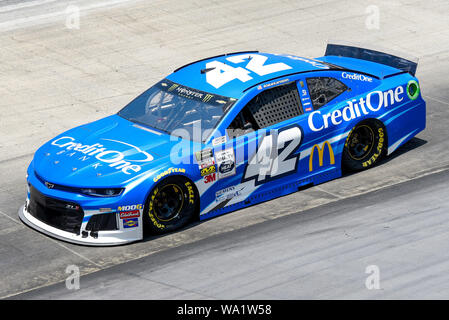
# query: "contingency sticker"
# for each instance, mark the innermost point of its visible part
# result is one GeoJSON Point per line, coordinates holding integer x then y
{"type": "Point", "coordinates": [225, 160]}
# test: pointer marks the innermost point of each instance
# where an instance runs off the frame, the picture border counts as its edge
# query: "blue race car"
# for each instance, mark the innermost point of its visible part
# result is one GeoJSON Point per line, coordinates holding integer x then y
{"type": "Point", "coordinates": [221, 134]}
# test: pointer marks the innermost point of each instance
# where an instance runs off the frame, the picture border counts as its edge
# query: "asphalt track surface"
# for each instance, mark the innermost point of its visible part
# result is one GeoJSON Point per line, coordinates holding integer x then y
{"type": "Point", "coordinates": [322, 253]}
{"type": "Point", "coordinates": [315, 243]}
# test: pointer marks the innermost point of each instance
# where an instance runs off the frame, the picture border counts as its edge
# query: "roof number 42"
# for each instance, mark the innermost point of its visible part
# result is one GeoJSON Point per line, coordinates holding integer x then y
{"type": "Point", "coordinates": [222, 73]}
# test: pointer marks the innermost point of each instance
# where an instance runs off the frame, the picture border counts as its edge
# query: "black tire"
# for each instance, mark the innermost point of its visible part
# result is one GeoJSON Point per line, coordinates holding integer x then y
{"type": "Point", "coordinates": [170, 205]}
{"type": "Point", "coordinates": [364, 146]}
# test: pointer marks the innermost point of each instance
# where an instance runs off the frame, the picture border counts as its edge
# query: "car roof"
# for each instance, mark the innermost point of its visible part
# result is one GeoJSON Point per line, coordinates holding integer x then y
{"type": "Point", "coordinates": [194, 74]}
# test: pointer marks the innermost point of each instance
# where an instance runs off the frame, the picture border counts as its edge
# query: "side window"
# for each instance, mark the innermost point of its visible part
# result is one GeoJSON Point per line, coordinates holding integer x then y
{"type": "Point", "coordinates": [324, 89]}
{"type": "Point", "coordinates": [267, 108]}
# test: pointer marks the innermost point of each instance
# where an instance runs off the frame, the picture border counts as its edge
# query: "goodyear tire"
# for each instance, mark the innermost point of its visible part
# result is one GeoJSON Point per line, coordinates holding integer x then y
{"type": "Point", "coordinates": [365, 146]}
{"type": "Point", "coordinates": [170, 205]}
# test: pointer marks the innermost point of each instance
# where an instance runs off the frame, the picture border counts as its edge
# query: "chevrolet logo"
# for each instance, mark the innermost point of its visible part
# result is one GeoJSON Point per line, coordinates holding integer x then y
{"type": "Point", "coordinates": [321, 154]}
{"type": "Point", "coordinates": [49, 185]}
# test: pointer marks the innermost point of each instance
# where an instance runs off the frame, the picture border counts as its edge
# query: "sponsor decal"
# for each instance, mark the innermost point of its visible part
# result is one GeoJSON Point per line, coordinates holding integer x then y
{"type": "Point", "coordinates": [271, 84]}
{"type": "Point", "coordinates": [210, 178]}
{"type": "Point", "coordinates": [225, 160]}
{"type": "Point", "coordinates": [413, 90]}
{"type": "Point", "coordinates": [129, 214]}
{"type": "Point", "coordinates": [113, 158]}
{"type": "Point", "coordinates": [130, 207]}
{"type": "Point", "coordinates": [372, 102]}
{"type": "Point", "coordinates": [355, 76]}
{"type": "Point", "coordinates": [321, 154]}
{"type": "Point", "coordinates": [103, 210]}
{"type": "Point", "coordinates": [308, 109]}
{"type": "Point", "coordinates": [189, 93]}
{"type": "Point", "coordinates": [218, 141]}
{"type": "Point", "coordinates": [227, 193]}
{"type": "Point", "coordinates": [167, 172]}
{"type": "Point", "coordinates": [130, 223]}
{"type": "Point", "coordinates": [206, 163]}
{"type": "Point", "coordinates": [226, 166]}
{"type": "Point", "coordinates": [191, 192]}
{"type": "Point", "coordinates": [203, 154]}
{"type": "Point", "coordinates": [172, 87]}
{"type": "Point", "coordinates": [207, 170]}
{"type": "Point", "coordinates": [379, 148]}
{"type": "Point", "coordinates": [207, 97]}
{"type": "Point", "coordinates": [151, 210]}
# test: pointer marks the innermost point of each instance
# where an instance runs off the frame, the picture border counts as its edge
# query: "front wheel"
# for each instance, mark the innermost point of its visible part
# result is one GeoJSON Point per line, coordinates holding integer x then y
{"type": "Point", "coordinates": [365, 146]}
{"type": "Point", "coordinates": [170, 205]}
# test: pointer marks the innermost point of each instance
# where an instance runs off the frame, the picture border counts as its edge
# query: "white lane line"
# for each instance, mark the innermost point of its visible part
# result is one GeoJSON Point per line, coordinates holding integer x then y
{"type": "Point", "coordinates": [24, 5]}
{"type": "Point", "coordinates": [72, 251]}
{"type": "Point", "coordinates": [54, 241]}
{"type": "Point", "coordinates": [10, 218]}
{"type": "Point", "coordinates": [328, 192]}
{"type": "Point", "coordinates": [437, 100]}
{"type": "Point", "coordinates": [34, 20]}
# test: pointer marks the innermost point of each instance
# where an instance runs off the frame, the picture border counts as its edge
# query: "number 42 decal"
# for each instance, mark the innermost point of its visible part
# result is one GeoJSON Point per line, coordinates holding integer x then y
{"type": "Point", "coordinates": [275, 157]}
{"type": "Point", "coordinates": [221, 73]}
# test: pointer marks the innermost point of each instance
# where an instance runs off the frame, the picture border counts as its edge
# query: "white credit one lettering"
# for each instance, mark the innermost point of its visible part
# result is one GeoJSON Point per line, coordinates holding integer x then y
{"type": "Point", "coordinates": [114, 158]}
{"type": "Point", "coordinates": [311, 125]}
{"type": "Point", "coordinates": [368, 100]}
{"type": "Point", "coordinates": [354, 109]}
{"type": "Point", "coordinates": [62, 145]}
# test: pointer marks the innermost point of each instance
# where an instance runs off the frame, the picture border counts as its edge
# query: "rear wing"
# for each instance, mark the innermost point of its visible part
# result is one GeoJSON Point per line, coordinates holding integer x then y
{"type": "Point", "coordinates": [350, 51]}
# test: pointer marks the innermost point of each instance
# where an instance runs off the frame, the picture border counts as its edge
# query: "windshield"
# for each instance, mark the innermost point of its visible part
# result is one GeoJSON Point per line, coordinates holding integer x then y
{"type": "Point", "coordinates": [177, 109]}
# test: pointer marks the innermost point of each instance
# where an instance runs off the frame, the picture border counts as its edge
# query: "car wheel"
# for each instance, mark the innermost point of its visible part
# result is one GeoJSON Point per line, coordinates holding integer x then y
{"type": "Point", "coordinates": [171, 205]}
{"type": "Point", "coordinates": [364, 146]}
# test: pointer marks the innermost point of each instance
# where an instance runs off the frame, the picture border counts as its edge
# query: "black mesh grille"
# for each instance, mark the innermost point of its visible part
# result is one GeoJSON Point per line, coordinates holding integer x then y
{"type": "Point", "coordinates": [276, 105]}
{"type": "Point", "coordinates": [63, 215]}
{"type": "Point", "coordinates": [99, 222]}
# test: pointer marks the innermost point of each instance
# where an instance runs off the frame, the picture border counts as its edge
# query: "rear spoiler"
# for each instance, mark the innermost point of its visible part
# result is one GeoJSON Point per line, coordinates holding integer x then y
{"type": "Point", "coordinates": [350, 51]}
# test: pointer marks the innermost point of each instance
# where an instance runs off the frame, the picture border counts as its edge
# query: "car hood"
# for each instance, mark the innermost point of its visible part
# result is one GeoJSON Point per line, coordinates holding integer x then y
{"type": "Point", "coordinates": [105, 153]}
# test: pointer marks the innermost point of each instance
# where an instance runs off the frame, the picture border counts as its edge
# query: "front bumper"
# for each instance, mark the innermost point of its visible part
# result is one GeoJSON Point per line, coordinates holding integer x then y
{"type": "Point", "coordinates": [104, 238]}
{"type": "Point", "coordinates": [44, 211]}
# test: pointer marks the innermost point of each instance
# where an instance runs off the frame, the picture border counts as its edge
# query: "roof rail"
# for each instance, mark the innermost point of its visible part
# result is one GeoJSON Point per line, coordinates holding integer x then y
{"type": "Point", "coordinates": [220, 55]}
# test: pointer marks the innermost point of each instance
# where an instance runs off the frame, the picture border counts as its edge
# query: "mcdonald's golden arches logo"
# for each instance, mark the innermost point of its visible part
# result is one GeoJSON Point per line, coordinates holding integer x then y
{"type": "Point", "coordinates": [321, 154]}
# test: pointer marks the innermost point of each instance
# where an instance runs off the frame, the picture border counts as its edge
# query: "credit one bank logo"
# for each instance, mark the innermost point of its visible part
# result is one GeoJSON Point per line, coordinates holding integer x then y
{"type": "Point", "coordinates": [355, 76]}
{"type": "Point", "coordinates": [373, 102]}
{"type": "Point", "coordinates": [115, 159]}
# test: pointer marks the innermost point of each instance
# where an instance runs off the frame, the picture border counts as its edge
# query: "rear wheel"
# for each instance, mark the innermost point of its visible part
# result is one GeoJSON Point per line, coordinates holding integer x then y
{"type": "Point", "coordinates": [365, 146]}
{"type": "Point", "coordinates": [170, 205]}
